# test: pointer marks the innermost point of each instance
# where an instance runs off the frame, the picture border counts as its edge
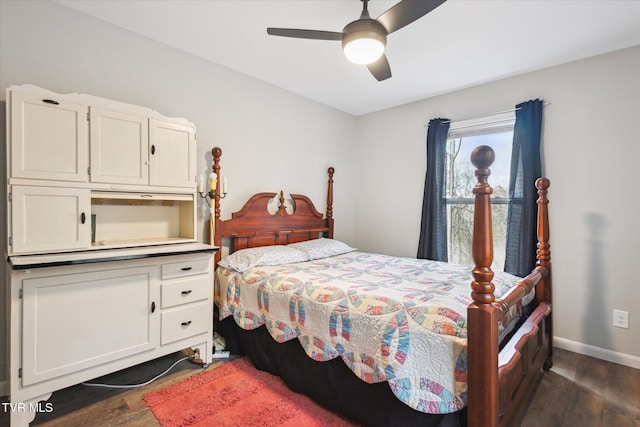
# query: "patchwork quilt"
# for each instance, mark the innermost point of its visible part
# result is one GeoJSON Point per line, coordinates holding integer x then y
{"type": "Point", "coordinates": [399, 320]}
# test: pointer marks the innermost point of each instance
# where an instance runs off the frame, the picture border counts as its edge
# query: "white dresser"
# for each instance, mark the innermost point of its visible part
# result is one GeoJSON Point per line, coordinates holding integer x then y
{"type": "Point", "coordinates": [105, 271]}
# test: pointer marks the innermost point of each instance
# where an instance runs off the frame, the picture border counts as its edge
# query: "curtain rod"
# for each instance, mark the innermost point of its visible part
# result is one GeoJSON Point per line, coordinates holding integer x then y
{"type": "Point", "coordinates": [490, 114]}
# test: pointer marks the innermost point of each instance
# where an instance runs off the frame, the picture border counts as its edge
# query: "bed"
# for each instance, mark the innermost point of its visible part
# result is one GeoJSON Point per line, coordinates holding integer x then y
{"type": "Point", "coordinates": [383, 340]}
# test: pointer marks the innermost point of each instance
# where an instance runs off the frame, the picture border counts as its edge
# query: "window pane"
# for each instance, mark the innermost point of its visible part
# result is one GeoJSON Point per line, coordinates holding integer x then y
{"type": "Point", "coordinates": [460, 234]}
{"type": "Point", "coordinates": [460, 178]}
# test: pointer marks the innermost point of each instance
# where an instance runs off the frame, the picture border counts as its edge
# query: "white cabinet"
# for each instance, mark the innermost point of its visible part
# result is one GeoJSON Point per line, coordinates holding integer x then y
{"type": "Point", "coordinates": [119, 147]}
{"type": "Point", "coordinates": [49, 219]}
{"type": "Point", "coordinates": [172, 154]}
{"type": "Point", "coordinates": [60, 219]}
{"type": "Point", "coordinates": [75, 157]}
{"type": "Point", "coordinates": [72, 322]}
{"type": "Point", "coordinates": [73, 319]}
{"type": "Point", "coordinates": [105, 271]}
{"type": "Point", "coordinates": [48, 137]}
{"type": "Point", "coordinates": [65, 138]}
{"type": "Point", "coordinates": [185, 293]}
{"type": "Point", "coordinates": [133, 149]}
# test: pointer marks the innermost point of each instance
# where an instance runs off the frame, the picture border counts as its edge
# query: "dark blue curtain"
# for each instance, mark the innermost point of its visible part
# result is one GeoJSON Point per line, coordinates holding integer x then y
{"type": "Point", "coordinates": [433, 228]}
{"type": "Point", "coordinates": [525, 169]}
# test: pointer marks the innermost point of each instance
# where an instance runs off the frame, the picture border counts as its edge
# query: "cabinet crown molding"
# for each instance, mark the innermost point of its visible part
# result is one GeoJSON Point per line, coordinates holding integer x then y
{"type": "Point", "coordinates": [96, 101]}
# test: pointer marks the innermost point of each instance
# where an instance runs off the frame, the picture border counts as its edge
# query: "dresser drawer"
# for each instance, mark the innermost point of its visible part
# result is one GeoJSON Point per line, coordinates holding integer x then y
{"type": "Point", "coordinates": [186, 290]}
{"type": "Point", "coordinates": [187, 321]}
{"type": "Point", "coordinates": [188, 267]}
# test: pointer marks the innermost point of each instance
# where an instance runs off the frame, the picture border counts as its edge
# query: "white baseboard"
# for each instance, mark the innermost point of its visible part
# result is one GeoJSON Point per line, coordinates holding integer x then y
{"type": "Point", "coordinates": [597, 352]}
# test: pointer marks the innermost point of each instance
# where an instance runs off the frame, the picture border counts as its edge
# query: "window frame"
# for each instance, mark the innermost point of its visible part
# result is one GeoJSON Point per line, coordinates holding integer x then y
{"type": "Point", "coordinates": [494, 123]}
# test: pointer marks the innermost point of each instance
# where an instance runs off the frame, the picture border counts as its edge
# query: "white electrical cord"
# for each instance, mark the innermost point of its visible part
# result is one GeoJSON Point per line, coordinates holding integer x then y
{"type": "Point", "coordinates": [137, 385]}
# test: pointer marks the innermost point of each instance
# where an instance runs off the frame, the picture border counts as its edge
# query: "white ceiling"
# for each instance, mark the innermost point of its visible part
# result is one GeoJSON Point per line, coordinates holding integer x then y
{"type": "Point", "coordinates": [460, 44]}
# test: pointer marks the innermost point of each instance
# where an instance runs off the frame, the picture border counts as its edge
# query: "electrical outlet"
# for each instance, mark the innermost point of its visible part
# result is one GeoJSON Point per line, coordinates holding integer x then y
{"type": "Point", "coordinates": [621, 319]}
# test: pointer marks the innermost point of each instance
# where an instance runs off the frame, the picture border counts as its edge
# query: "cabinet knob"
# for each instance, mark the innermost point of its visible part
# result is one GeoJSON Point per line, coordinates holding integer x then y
{"type": "Point", "coordinates": [153, 306]}
{"type": "Point", "coordinates": [185, 293]}
{"type": "Point", "coordinates": [83, 218]}
{"type": "Point", "coordinates": [187, 323]}
{"type": "Point", "coordinates": [153, 149]}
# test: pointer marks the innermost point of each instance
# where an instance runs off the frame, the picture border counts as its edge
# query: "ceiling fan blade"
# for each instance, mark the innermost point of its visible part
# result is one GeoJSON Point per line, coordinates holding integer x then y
{"type": "Point", "coordinates": [380, 69]}
{"type": "Point", "coordinates": [304, 34]}
{"type": "Point", "coordinates": [405, 12]}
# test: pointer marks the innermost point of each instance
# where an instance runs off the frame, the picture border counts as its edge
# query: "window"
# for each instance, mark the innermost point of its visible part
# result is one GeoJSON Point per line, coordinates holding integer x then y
{"type": "Point", "coordinates": [464, 136]}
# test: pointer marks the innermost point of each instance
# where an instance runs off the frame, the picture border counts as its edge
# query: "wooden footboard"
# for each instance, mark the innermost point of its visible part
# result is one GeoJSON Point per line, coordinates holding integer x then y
{"type": "Point", "coordinates": [501, 384]}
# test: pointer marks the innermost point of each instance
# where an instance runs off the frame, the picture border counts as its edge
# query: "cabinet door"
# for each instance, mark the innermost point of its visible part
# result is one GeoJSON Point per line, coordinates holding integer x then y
{"type": "Point", "coordinates": [77, 321]}
{"type": "Point", "coordinates": [172, 154]}
{"type": "Point", "coordinates": [49, 219]}
{"type": "Point", "coordinates": [119, 144]}
{"type": "Point", "coordinates": [49, 138]}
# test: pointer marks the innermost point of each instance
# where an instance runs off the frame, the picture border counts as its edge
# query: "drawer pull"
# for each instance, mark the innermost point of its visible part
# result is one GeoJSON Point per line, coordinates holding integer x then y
{"type": "Point", "coordinates": [153, 306]}
{"type": "Point", "coordinates": [185, 293]}
{"type": "Point", "coordinates": [83, 218]}
{"type": "Point", "coordinates": [187, 323]}
{"type": "Point", "coordinates": [186, 268]}
{"type": "Point", "coordinates": [51, 101]}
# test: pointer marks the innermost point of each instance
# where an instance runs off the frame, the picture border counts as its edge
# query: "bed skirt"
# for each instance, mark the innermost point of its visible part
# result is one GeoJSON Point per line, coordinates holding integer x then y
{"type": "Point", "coordinates": [331, 384]}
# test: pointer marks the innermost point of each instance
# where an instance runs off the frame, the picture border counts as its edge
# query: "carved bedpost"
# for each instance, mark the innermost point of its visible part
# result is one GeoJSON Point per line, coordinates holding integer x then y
{"type": "Point", "coordinates": [216, 152]}
{"type": "Point", "coordinates": [543, 256]}
{"type": "Point", "coordinates": [482, 316]}
{"type": "Point", "coordinates": [482, 157]}
{"type": "Point", "coordinates": [330, 171]}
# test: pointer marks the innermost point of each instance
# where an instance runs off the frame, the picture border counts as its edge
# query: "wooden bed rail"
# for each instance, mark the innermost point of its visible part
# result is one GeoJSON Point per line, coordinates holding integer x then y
{"type": "Point", "coordinates": [499, 382]}
{"type": "Point", "coordinates": [514, 295]}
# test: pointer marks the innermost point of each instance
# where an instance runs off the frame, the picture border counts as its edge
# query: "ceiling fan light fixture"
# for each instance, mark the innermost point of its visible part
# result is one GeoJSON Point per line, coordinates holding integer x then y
{"type": "Point", "coordinates": [364, 50]}
{"type": "Point", "coordinates": [364, 41]}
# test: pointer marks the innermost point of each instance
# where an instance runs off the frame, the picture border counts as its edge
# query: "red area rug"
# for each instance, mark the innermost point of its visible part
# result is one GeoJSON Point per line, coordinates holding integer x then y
{"type": "Point", "coordinates": [236, 394]}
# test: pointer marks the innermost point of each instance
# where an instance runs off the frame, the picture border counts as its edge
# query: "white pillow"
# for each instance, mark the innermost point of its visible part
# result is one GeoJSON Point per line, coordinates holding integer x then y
{"type": "Point", "coordinates": [245, 259]}
{"type": "Point", "coordinates": [322, 248]}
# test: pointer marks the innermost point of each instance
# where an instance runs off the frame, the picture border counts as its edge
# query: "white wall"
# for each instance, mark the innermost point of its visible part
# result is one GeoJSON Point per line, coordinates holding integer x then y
{"type": "Point", "coordinates": [591, 148]}
{"type": "Point", "coordinates": [271, 139]}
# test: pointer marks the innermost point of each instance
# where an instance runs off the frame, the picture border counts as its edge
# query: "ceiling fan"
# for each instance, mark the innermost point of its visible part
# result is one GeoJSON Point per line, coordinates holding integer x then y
{"type": "Point", "coordinates": [364, 39]}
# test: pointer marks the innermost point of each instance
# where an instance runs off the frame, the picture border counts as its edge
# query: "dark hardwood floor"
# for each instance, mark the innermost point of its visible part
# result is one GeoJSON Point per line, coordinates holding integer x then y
{"type": "Point", "coordinates": [578, 391]}
{"type": "Point", "coordinates": [581, 391]}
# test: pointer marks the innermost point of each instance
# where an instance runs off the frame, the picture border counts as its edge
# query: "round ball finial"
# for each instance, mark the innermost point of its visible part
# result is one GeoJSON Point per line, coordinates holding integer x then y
{"type": "Point", "coordinates": [483, 156]}
{"type": "Point", "coordinates": [542, 183]}
{"type": "Point", "coordinates": [331, 170]}
{"type": "Point", "coordinates": [216, 152]}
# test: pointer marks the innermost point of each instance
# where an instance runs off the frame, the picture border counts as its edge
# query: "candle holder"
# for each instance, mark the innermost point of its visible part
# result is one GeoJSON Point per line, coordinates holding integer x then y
{"type": "Point", "coordinates": [211, 195]}
{"type": "Point", "coordinates": [217, 188]}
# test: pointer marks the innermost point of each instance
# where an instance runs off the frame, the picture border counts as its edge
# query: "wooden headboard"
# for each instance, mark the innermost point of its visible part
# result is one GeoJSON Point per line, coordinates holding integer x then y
{"type": "Point", "coordinates": [254, 225]}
